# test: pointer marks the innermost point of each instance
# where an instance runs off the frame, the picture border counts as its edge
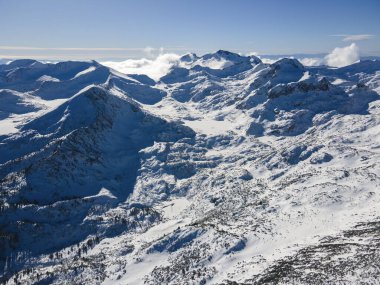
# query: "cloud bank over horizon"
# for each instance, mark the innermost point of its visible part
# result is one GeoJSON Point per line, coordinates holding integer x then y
{"type": "Point", "coordinates": [156, 62]}
{"type": "Point", "coordinates": [161, 65]}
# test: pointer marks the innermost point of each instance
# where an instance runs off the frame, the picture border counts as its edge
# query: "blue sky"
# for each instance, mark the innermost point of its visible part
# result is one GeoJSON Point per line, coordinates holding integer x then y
{"type": "Point", "coordinates": [134, 28]}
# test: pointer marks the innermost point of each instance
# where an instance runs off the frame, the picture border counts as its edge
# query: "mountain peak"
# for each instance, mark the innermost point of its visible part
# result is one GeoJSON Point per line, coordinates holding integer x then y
{"type": "Point", "coordinates": [226, 55]}
{"type": "Point", "coordinates": [190, 57]}
{"type": "Point", "coordinates": [287, 64]}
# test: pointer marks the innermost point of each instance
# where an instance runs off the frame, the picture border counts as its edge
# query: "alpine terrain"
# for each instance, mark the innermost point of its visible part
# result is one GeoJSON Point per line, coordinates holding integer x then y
{"type": "Point", "coordinates": [226, 170]}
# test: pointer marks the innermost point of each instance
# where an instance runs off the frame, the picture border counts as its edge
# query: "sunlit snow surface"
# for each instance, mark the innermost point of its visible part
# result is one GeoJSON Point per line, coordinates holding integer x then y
{"type": "Point", "coordinates": [223, 170]}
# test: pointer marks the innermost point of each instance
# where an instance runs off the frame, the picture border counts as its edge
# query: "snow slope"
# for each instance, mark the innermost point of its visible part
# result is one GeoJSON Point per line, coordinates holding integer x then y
{"type": "Point", "coordinates": [226, 170]}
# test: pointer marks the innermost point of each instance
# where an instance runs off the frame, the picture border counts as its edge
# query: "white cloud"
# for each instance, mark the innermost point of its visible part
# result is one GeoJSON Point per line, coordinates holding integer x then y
{"type": "Point", "coordinates": [343, 56]}
{"type": "Point", "coordinates": [149, 51]}
{"type": "Point", "coordinates": [154, 68]}
{"type": "Point", "coordinates": [311, 61]}
{"type": "Point", "coordinates": [355, 38]}
{"type": "Point", "coordinates": [268, 60]}
{"type": "Point", "coordinates": [252, 53]}
{"type": "Point", "coordinates": [339, 56]}
{"type": "Point", "coordinates": [352, 38]}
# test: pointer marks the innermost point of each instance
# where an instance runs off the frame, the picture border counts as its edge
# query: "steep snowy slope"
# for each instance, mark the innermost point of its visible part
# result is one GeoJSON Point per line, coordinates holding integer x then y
{"type": "Point", "coordinates": [87, 145]}
{"type": "Point", "coordinates": [45, 86]}
{"type": "Point", "coordinates": [225, 171]}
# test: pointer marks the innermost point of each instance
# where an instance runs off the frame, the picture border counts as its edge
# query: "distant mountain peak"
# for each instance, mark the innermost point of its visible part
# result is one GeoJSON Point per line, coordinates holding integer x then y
{"type": "Point", "coordinates": [288, 63]}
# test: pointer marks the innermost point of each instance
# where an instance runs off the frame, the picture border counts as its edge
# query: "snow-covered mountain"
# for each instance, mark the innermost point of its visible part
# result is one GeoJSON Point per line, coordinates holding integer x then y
{"type": "Point", "coordinates": [225, 171]}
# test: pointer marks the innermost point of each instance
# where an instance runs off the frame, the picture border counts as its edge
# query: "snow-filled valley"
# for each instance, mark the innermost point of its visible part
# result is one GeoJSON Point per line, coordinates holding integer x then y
{"type": "Point", "coordinates": [225, 170]}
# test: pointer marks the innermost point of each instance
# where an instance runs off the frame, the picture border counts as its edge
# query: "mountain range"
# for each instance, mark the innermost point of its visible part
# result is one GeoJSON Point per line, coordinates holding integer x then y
{"type": "Point", "coordinates": [226, 170]}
